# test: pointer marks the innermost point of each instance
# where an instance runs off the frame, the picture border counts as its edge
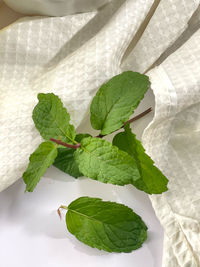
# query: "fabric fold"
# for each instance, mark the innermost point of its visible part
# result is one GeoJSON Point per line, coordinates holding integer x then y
{"type": "Point", "coordinates": [168, 22]}
{"type": "Point", "coordinates": [172, 139]}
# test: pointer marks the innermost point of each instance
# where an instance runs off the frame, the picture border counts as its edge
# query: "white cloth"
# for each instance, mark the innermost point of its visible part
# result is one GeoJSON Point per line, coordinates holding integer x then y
{"type": "Point", "coordinates": [73, 55]}
{"type": "Point", "coordinates": [54, 7]}
{"type": "Point", "coordinates": [173, 140]}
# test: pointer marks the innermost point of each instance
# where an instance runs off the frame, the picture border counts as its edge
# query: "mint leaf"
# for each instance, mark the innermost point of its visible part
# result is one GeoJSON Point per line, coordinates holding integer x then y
{"type": "Point", "coordinates": [40, 160]}
{"type": "Point", "coordinates": [116, 100]}
{"type": "Point", "coordinates": [80, 137]}
{"type": "Point", "coordinates": [52, 120]}
{"type": "Point", "coordinates": [99, 160]}
{"type": "Point", "coordinates": [65, 159]}
{"type": "Point", "coordinates": [152, 180]}
{"type": "Point", "coordinates": [105, 225]}
{"type": "Point", "coordinates": [66, 163]}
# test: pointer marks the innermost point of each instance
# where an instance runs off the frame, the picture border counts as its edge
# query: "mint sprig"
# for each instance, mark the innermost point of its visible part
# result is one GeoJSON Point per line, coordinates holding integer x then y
{"type": "Point", "coordinates": [104, 225]}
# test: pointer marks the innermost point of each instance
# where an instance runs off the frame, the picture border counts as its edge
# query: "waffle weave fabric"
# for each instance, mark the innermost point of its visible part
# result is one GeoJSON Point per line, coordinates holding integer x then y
{"type": "Point", "coordinates": [73, 55]}
{"type": "Point", "coordinates": [176, 134]}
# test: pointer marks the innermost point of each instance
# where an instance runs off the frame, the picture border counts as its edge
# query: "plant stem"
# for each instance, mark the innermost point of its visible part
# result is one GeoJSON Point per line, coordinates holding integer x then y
{"type": "Point", "coordinates": [131, 120]}
{"type": "Point", "coordinates": [65, 144]}
{"type": "Point", "coordinates": [98, 136]}
{"type": "Point", "coordinates": [138, 116]}
{"type": "Point", "coordinates": [58, 210]}
{"type": "Point", "coordinates": [63, 207]}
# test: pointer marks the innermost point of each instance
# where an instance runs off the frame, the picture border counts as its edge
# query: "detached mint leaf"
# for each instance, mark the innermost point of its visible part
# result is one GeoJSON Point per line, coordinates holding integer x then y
{"type": "Point", "coordinates": [52, 120]}
{"type": "Point", "coordinates": [105, 225]}
{"type": "Point", "coordinates": [116, 100]}
{"type": "Point", "coordinates": [152, 180]}
{"type": "Point", "coordinates": [99, 160]}
{"type": "Point", "coordinates": [40, 160]}
{"type": "Point", "coordinates": [65, 159]}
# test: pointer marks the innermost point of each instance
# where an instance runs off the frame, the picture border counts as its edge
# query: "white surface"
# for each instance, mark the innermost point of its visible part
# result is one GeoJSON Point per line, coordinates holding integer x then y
{"type": "Point", "coordinates": [31, 233]}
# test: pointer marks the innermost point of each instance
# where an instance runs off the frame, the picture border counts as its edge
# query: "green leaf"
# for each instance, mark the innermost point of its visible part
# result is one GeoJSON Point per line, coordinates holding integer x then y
{"type": "Point", "coordinates": [66, 163]}
{"type": "Point", "coordinates": [116, 100]}
{"type": "Point", "coordinates": [52, 120]}
{"type": "Point", "coordinates": [104, 225]}
{"type": "Point", "coordinates": [65, 159]}
{"type": "Point", "coordinates": [152, 180]}
{"type": "Point", "coordinates": [99, 160]}
{"type": "Point", "coordinates": [80, 137]}
{"type": "Point", "coordinates": [40, 160]}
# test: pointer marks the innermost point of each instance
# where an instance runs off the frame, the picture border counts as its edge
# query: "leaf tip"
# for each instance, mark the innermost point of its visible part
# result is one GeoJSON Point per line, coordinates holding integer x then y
{"type": "Point", "coordinates": [39, 96]}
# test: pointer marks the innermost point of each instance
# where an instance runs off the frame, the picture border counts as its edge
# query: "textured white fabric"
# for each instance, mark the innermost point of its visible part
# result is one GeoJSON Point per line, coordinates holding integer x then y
{"type": "Point", "coordinates": [54, 7]}
{"type": "Point", "coordinates": [168, 22]}
{"type": "Point", "coordinates": [71, 56]}
{"type": "Point", "coordinates": [173, 140]}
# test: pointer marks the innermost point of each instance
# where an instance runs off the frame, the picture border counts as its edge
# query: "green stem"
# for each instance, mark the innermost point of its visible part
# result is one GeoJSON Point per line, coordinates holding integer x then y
{"type": "Point", "coordinates": [63, 207]}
